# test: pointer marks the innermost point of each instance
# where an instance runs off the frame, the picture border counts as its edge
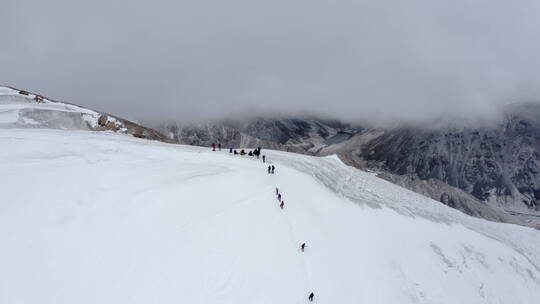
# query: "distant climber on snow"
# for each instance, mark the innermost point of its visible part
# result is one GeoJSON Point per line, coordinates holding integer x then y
{"type": "Point", "coordinates": [303, 247]}
{"type": "Point", "coordinates": [273, 168]}
{"type": "Point", "coordinates": [310, 298]}
{"type": "Point", "coordinates": [282, 204]}
{"type": "Point", "coordinates": [213, 147]}
{"type": "Point", "coordinates": [279, 197]}
{"type": "Point", "coordinates": [219, 146]}
{"type": "Point", "coordinates": [277, 191]}
{"type": "Point", "coordinates": [269, 169]}
{"type": "Point", "coordinates": [264, 158]}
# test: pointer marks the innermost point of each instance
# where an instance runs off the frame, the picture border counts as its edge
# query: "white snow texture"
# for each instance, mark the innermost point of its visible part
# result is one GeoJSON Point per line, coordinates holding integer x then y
{"type": "Point", "coordinates": [89, 217]}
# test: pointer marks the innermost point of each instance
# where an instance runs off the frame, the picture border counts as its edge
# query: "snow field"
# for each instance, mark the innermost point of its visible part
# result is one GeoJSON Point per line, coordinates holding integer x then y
{"type": "Point", "coordinates": [106, 218]}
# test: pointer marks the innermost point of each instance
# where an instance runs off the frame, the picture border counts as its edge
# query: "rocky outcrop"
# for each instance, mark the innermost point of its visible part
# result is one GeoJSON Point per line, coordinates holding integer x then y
{"type": "Point", "coordinates": [111, 123]}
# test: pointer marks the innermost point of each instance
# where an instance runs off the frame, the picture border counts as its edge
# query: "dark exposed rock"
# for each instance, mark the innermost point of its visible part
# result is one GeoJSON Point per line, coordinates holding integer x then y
{"type": "Point", "coordinates": [493, 164]}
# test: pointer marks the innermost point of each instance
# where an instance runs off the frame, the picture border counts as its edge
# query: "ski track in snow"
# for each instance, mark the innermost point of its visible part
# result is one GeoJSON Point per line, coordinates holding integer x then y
{"type": "Point", "coordinates": [105, 218]}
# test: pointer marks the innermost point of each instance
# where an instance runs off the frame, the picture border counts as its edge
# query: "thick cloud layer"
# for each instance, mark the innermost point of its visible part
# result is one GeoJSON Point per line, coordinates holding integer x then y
{"type": "Point", "coordinates": [371, 59]}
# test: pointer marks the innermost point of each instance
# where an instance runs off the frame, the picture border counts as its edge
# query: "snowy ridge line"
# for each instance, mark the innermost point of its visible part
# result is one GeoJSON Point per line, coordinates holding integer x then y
{"type": "Point", "coordinates": [69, 107]}
{"type": "Point", "coordinates": [28, 110]}
{"type": "Point", "coordinates": [33, 96]}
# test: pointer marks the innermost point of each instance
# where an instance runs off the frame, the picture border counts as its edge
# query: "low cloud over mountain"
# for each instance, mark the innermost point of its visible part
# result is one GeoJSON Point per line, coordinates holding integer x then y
{"type": "Point", "coordinates": [355, 60]}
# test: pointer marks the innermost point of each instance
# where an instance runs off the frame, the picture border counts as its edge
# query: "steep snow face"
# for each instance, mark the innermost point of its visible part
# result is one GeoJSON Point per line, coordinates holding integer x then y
{"type": "Point", "coordinates": [106, 218]}
{"type": "Point", "coordinates": [21, 109]}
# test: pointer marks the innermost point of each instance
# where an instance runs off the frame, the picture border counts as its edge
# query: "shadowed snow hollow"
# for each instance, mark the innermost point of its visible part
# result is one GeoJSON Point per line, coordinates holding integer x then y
{"type": "Point", "coordinates": [105, 218]}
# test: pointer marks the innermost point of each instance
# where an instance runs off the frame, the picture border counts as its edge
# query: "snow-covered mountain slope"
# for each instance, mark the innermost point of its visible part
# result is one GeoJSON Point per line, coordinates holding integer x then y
{"type": "Point", "coordinates": [89, 217]}
{"type": "Point", "coordinates": [485, 169]}
{"type": "Point", "coordinates": [22, 109]}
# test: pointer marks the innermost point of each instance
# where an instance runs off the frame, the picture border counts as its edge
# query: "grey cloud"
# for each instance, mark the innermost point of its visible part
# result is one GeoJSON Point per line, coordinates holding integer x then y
{"type": "Point", "coordinates": [357, 60]}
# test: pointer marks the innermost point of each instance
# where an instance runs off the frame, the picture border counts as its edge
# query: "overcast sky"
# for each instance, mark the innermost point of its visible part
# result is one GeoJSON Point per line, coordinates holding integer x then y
{"type": "Point", "coordinates": [361, 59]}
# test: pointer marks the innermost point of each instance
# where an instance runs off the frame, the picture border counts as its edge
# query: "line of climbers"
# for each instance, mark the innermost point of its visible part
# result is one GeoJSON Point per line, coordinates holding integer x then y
{"type": "Point", "coordinates": [303, 245]}
{"type": "Point", "coordinates": [271, 170]}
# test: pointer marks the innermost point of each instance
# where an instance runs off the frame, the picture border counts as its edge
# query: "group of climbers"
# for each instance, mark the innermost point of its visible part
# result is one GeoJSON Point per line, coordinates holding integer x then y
{"type": "Point", "coordinates": [303, 245]}
{"type": "Point", "coordinates": [256, 152]}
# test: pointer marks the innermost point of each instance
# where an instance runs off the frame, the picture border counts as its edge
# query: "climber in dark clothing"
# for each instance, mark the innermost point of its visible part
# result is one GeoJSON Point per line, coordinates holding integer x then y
{"type": "Point", "coordinates": [273, 168]}
{"type": "Point", "coordinates": [269, 169]}
{"type": "Point", "coordinates": [264, 158]}
{"type": "Point", "coordinates": [213, 147]}
{"type": "Point", "coordinates": [303, 246]}
{"type": "Point", "coordinates": [219, 146]}
{"type": "Point", "coordinates": [250, 153]}
{"type": "Point", "coordinates": [230, 150]}
{"type": "Point", "coordinates": [310, 298]}
{"type": "Point", "coordinates": [279, 197]}
{"type": "Point", "coordinates": [235, 152]}
{"type": "Point", "coordinates": [282, 204]}
{"type": "Point", "coordinates": [277, 191]}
